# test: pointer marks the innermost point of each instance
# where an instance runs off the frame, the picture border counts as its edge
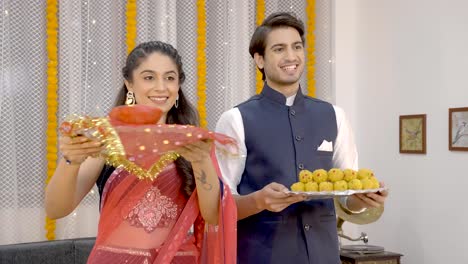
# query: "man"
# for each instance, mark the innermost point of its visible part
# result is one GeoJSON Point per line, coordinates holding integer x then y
{"type": "Point", "coordinates": [282, 131]}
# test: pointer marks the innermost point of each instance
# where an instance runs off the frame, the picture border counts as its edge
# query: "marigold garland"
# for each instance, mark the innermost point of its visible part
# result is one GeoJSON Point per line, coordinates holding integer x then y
{"type": "Point", "coordinates": [131, 14]}
{"type": "Point", "coordinates": [310, 49]}
{"type": "Point", "coordinates": [52, 86]}
{"type": "Point", "coordinates": [260, 18]}
{"type": "Point", "coordinates": [201, 62]}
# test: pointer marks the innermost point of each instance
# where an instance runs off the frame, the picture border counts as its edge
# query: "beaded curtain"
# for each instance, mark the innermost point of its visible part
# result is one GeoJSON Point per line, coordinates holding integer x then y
{"type": "Point", "coordinates": [91, 53]}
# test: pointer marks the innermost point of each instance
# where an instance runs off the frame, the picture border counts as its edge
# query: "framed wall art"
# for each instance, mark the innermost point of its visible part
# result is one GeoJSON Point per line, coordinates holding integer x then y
{"type": "Point", "coordinates": [458, 129]}
{"type": "Point", "coordinates": [413, 134]}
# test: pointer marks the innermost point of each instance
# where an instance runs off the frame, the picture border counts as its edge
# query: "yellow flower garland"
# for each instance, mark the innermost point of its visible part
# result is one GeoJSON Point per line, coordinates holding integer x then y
{"type": "Point", "coordinates": [201, 62]}
{"type": "Point", "coordinates": [52, 85]}
{"type": "Point", "coordinates": [131, 14]}
{"type": "Point", "coordinates": [310, 49]}
{"type": "Point", "coordinates": [260, 18]}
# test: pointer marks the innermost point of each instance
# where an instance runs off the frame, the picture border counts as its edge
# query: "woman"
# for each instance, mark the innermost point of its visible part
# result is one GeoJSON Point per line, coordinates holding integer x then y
{"type": "Point", "coordinates": [149, 221]}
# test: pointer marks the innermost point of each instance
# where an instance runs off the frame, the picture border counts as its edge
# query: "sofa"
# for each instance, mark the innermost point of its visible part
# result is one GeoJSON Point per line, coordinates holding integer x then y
{"type": "Point", "coordinates": [70, 251]}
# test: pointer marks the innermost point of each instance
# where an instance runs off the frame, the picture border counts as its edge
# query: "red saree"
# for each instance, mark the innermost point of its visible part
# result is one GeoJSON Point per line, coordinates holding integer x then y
{"type": "Point", "coordinates": [145, 215]}
{"type": "Point", "coordinates": [150, 222]}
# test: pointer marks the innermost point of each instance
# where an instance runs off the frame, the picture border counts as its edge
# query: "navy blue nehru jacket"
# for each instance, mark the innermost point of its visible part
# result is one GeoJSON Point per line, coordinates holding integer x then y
{"type": "Point", "coordinates": [281, 140]}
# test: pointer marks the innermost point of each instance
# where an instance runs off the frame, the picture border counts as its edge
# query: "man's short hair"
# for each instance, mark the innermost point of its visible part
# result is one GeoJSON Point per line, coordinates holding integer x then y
{"type": "Point", "coordinates": [273, 21]}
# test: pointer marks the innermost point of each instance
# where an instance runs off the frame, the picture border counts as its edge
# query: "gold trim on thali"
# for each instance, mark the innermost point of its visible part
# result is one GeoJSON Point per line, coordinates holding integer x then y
{"type": "Point", "coordinates": [114, 153]}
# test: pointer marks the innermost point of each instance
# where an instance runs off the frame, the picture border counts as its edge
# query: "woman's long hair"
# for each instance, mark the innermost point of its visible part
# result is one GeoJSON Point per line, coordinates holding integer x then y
{"type": "Point", "coordinates": [184, 114]}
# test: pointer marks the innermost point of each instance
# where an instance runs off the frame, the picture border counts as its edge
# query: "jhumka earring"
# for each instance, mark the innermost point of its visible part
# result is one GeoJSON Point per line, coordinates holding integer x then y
{"type": "Point", "coordinates": [130, 98]}
{"type": "Point", "coordinates": [176, 104]}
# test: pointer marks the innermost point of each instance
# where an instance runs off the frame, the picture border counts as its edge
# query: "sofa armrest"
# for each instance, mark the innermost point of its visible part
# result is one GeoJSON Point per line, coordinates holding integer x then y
{"type": "Point", "coordinates": [47, 252]}
{"type": "Point", "coordinates": [69, 251]}
{"type": "Point", "coordinates": [83, 247]}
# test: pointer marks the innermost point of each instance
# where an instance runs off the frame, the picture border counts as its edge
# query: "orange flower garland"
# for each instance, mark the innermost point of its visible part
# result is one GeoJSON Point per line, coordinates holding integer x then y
{"type": "Point", "coordinates": [52, 86]}
{"type": "Point", "coordinates": [201, 62]}
{"type": "Point", "coordinates": [310, 49]}
{"type": "Point", "coordinates": [131, 24]}
{"type": "Point", "coordinates": [260, 18]}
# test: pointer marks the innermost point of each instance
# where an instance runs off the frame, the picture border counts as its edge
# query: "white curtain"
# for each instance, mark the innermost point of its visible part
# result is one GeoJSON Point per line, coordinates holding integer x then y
{"type": "Point", "coordinates": [22, 120]}
{"type": "Point", "coordinates": [92, 52]}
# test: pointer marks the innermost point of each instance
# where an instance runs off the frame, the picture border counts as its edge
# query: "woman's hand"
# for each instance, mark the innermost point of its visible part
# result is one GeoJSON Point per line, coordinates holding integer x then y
{"type": "Point", "coordinates": [197, 152]}
{"type": "Point", "coordinates": [206, 179]}
{"type": "Point", "coordinates": [72, 179]}
{"type": "Point", "coordinates": [75, 150]}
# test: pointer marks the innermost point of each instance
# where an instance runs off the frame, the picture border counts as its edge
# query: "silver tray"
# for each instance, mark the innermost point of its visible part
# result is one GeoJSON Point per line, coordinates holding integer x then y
{"type": "Point", "coordinates": [331, 194]}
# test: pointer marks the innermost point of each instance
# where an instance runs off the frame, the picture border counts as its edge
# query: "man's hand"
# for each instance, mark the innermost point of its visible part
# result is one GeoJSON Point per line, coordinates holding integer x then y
{"type": "Point", "coordinates": [359, 201]}
{"type": "Point", "coordinates": [273, 197]}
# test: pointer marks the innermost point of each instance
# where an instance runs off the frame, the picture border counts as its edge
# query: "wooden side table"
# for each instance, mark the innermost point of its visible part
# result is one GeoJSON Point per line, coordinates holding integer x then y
{"type": "Point", "coordinates": [376, 258]}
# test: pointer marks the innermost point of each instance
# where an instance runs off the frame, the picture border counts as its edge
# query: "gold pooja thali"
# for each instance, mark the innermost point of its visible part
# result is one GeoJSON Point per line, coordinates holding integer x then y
{"type": "Point", "coordinates": [132, 139]}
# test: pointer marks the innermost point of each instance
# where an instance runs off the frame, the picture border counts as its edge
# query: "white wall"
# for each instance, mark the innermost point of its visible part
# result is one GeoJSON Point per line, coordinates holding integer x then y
{"type": "Point", "coordinates": [397, 57]}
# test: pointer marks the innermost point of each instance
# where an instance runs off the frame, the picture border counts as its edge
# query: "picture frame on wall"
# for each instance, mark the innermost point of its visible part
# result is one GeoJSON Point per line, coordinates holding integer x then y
{"type": "Point", "coordinates": [413, 134]}
{"type": "Point", "coordinates": [458, 129]}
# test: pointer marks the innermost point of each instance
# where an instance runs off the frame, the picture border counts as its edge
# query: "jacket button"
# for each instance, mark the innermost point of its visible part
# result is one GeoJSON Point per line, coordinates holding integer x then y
{"type": "Point", "coordinates": [306, 227]}
{"type": "Point", "coordinates": [293, 112]}
{"type": "Point", "coordinates": [298, 138]}
{"type": "Point", "coordinates": [301, 166]}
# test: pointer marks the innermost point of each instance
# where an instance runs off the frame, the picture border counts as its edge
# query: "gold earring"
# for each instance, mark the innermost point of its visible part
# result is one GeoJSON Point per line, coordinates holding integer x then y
{"type": "Point", "coordinates": [130, 98]}
{"type": "Point", "coordinates": [176, 104]}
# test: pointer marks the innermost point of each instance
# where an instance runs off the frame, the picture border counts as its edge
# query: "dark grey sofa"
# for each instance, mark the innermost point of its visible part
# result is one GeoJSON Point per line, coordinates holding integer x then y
{"type": "Point", "coordinates": [69, 251]}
